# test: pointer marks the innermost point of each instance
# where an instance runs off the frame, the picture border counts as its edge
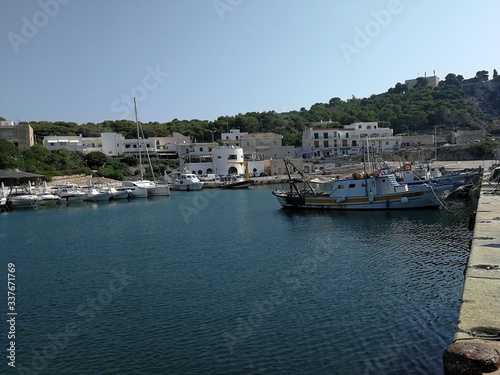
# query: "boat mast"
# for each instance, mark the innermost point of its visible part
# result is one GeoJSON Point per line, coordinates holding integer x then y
{"type": "Point", "coordinates": [138, 139]}
{"type": "Point", "coordinates": [366, 158]}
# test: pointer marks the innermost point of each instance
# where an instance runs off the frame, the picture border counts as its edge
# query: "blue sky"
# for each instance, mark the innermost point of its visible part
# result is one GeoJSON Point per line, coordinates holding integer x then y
{"type": "Point", "coordinates": [83, 60]}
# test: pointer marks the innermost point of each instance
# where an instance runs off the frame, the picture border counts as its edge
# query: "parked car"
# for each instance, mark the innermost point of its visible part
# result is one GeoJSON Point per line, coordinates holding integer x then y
{"type": "Point", "coordinates": [208, 177]}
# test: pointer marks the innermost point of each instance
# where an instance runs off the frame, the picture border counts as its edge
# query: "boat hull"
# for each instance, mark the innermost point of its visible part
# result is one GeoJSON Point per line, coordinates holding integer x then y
{"type": "Point", "coordinates": [238, 185]}
{"type": "Point", "coordinates": [119, 194]}
{"type": "Point", "coordinates": [159, 191]}
{"type": "Point", "coordinates": [138, 192]}
{"type": "Point", "coordinates": [23, 201]}
{"type": "Point", "coordinates": [73, 197]}
{"type": "Point", "coordinates": [102, 196]}
{"type": "Point", "coordinates": [399, 201]}
{"type": "Point", "coordinates": [49, 199]}
{"type": "Point", "coordinates": [188, 187]}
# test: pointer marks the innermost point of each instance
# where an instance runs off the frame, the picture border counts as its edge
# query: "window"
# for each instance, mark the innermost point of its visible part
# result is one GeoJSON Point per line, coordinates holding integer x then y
{"type": "Point", "coordinates": [231, 157]}
{"type": "Point", "coordinates": [201, 150]}
{"type": "Point", "coordinates": [325, 135]}
{"type": "Point", "coordinates": [316, 135]}
{"type": "Point", "coordinates": [341, 187]}
{"type": "Point", "coordinates": [316, 144]}
{"type": "Point", "coordinates": [325, 143]}
{"type": "Point", "coordinates": [368, 127]}
{"type": "Point", "coordinates": [347, 135]}
{"type": "Point", "coordinates": [352, 186]}
{"type": "Point", "coordinates": [360, 126]}
{"type": "Point", "coordinates": [354, 143]}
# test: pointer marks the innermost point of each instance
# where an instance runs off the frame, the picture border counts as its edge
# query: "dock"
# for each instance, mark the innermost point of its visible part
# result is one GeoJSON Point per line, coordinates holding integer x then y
{"type": "Point", "coordinates": [476, 345]}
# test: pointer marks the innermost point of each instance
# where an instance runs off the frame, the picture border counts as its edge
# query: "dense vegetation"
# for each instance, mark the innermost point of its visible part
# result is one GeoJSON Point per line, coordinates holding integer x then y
{"type": "Point", "coordinates": [455, 104]}
{"type": "Point", "coordinates": [40, 160]}
{"type": "Point", "coordinates": [417, 110]}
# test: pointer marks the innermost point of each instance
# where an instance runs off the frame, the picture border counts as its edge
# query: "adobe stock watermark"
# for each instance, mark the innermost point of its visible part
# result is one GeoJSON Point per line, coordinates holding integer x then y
{"type": "Point", "coordinates": [30, 26]}
{"type": "Point", "coordinates": [148, 83]}
{"type": "Point", "coordinates": [86, 312]}
{"type": "Point", "coordinates": [363, 37]}
{"type": "Point", "coordinates": [224, 6]}
{"type": "Point", "coordinates": [200, 201]}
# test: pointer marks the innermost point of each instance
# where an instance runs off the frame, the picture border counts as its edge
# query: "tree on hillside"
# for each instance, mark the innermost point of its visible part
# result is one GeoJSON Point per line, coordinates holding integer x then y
{"type": "Point", "coordinates": [398, 89]}
{"type": "Point", "coordinates": [482, 76]}
{"type": "Point", "coordinates": [9, 154]}
{"type": "Point", "coordinates": [95, 159]}
{"type": "Point", "coordinates": [421, 82]}
{"type": "Point", "coordinates": [452, 80]}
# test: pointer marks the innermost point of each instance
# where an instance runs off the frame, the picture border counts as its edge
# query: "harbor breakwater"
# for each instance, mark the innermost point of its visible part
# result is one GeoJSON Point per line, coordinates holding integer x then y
{"type": "Point", "coordinates": [476, 345]}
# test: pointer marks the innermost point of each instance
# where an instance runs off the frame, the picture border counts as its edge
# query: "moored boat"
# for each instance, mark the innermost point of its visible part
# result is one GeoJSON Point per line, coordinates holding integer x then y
{"type": "Point", "coordinates": [185, 180]}
{"type": "Point", "coordinates": [22, 197]}
{"type": "Point", "coordinates": [375, 191]}
{"type": "Point", "coordinates": [3, 203]}
{"type": "Point", "coordinates": [119, 194]}
{"type": "Point", "coordinates": [69, 193]}
{"type": "Point", "coordinates": [95, 195]}
{"type": "Point", "coordinates": [236, 182]}
{"type": "Point", "coordinates": [134, 190]}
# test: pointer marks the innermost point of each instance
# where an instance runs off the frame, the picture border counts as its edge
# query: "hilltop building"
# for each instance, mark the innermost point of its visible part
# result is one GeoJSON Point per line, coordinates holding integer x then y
{"type": "Point", "coordinates": [432, 81]}
{"type": "Point", "coordinates": [21, 135]}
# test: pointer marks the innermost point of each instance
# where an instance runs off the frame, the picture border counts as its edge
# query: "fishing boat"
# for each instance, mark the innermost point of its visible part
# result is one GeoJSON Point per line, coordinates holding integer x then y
{"type": "Point", "coordinates": [378, 190]}
{"type": "Point", "coordinates": [454, 180]}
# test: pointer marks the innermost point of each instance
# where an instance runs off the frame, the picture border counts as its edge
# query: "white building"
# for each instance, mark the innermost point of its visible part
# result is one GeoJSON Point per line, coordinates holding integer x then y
{"type": "Point", "coordinates": [233, 138]}
{"type": "Point", "coordinates": [349, 140]}
{"type": "Point", "coordinates": [116, 145]}
{"type": "Point", "coordinates": [220, 160]}
{"type": "Point", "coordinates": [70, 143]}
{"type": "Point", "coordinates": [263, 146]}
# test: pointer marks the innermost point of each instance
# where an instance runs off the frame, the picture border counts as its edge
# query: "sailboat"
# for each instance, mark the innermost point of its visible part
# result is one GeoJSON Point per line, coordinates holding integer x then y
{"type": "Point", "coordinates": [143, 188]}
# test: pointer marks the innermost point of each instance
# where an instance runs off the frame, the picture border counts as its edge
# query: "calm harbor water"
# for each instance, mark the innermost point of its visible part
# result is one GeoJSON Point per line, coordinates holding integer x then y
{"type": "Point", "coordinates": [227, 282]}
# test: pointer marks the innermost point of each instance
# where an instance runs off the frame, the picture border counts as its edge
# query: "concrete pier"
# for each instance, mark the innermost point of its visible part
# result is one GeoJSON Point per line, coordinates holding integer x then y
{"type": "Point", "coordinates": [476, 346]}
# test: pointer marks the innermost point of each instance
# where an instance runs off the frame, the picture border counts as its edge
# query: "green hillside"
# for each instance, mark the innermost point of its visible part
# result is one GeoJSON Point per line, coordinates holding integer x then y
{"type": "Point", "coordinates": [456, 104]}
